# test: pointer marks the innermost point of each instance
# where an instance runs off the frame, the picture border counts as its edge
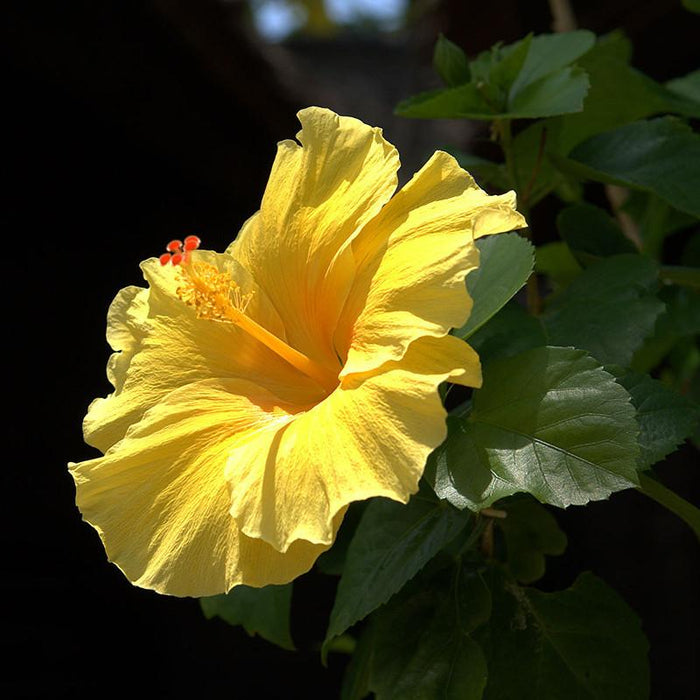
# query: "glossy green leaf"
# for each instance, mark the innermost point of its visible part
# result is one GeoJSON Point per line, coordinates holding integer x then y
{"type": "Point", "coordinates": [263, 611]}
{"type": "Point", "coordinates": [391, 545]}
{"type": "Point", "coordinates": [665, 417]}
{"type": "Point", "coordinates": [511, 331]}
{"type": "Point", "coordinates": [422, 648]}
{"type": "Point", "coordinates": [660, 155]}
{"type": "Point", "coordinates": [692, 5]}
{"type": "Point", "coordinates": [549, 422]}
{"type": "Point", "coordinates": [584, 642]}
{"type": "Point", "coordinates": [506, 261]}
{"type": "Point", "coordinates": [608, 310]}
{"type": "Point", "coordinates": [531, 532]}
{"type": "Point", "coordinates": [450, 62]}
{"type": "Point", "coordinates": [592, 234]}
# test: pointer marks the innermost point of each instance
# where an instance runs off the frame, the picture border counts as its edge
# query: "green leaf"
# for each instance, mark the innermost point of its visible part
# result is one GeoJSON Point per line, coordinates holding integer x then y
{"type": "Point", "coordinates": [356, 679]}
{"type": "Point", "coordinates": [485, 171]}
{"type": "Point", "coordinates": [592, 234]}
{"type": "Point", "coordinates": [665, 417]}
{"type": "Point", "coordinates": [422, 647]}
{"type": "Point", "coordinates": [692, 5]}
{"type": "Point", "coordinates": [608, 310]}
{"type": "Point", "coordinates": [659, 155]}
{"type": "Point", "coordinates": [691, 251]}
{"type": "Point", "coordinates": [461, 102]}
{"type": "Point", "coordinates": [557, 262]}
{"type": "Point", "coordinates": [532, 166]}
{"type": "Point", "coordinates": [527, 79]}
{"type": "Point", "coordinates": [560, 92]}
{"type": "Point", "coordinates": [549, 422]}
{"type": "Point", "coordinates": [543, 85]}
{"type": "Point", "coordinates": [494, 70]}
{"type": "Point", "coordinates": [530, 532]}
{"type": "Point", "coordinates": [680, 321]}
{"type": "Point", "coordinates": [688, 86]}
{"type": "Point", "coordinates": [655, 220]}
{"type": "Point", "coordinates": [584, 642]}
{"type": "Point", "coordinates": [685, 276]}
{"type": "Point", "coordinates": [549, 53]}
{"type": "Point", "coordinates": [505, 263]}
{"type": "Point", "coordinates": [391, 545]}
{"type": "Point", "coordinates": [450, 62]}
{"type": "Point", "coordinates": [332, 561]}
{"type": "Point", "coordinates": [619, 95]}
{"type": "Point", "coordinates": [506, 66]}
{"type": "Point", "coordinates": [511, 331]}
{"type": "Point", "coordinates": [687, 512]}
{"type": "Point", "coordinates": [264, 611]}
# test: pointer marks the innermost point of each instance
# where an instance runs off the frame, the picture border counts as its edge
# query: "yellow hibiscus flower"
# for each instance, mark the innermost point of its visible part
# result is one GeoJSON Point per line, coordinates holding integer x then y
{"type": "Point", "coordinates": [260, 391]}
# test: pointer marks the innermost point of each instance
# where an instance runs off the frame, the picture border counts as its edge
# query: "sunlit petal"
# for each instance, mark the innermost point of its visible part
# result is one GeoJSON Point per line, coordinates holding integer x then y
{"type": "Point", "coordinates": [320, 193]}
{"type": "Point", "coordinates": [371, 437]}
{"type": "Point", "coordinates": [412, 260]}
{"type": "Point", "coordinates": [159, 495]}
{"type": "Point", "coordinates": [163, 345]}
{"type": "Point", "coordinates": [261, 391]}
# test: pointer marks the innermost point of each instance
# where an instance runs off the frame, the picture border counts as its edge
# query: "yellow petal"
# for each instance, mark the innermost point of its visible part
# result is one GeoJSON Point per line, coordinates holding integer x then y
{"type": "Point", "coordinates": [224, 465]}
{"type": "Point", "coordinates": [412, 260]}
{"type": "Point", "coordinates": [371, 437]}
{"type": "Point", "coordinates": [160, 502]}
{"type": "Point", "coordinates": [448, 352]}
{"type": "Point", "coordinates": [500, 215]}
{"type": "Point", "coordinates": [163, 345]}
{"type": "Point", "coordinates": [319, 194]}
{"type": "Point", "coordinates": [126, 327]}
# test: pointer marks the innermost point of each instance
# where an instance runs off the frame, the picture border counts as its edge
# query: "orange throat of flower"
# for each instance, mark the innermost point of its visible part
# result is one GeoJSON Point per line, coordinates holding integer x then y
{"type": "Point", "coordinates": [215, 296]}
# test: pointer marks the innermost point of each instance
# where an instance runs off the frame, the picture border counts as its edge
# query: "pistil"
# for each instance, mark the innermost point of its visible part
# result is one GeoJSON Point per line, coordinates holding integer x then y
{"type": "Point", "coordinates": [215, 296]}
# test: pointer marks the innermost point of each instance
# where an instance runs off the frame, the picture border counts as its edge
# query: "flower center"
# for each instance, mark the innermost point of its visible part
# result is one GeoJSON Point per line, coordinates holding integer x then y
{"type": "Point", "coordinates": [215, 296]}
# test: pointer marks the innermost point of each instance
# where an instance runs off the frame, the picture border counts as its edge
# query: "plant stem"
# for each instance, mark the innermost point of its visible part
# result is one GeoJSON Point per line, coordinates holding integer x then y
{"type": "Point", "coordinates": [474, 536]}
{"type": "Point", "coordinates": [667, 498]}
{"type": "Point", "coordinates": [535, 170]}
{"type": "Point", "coordinates": [487, 540]}
{"type": "Point", "coordinates": [684, 276]}
{"type": "Point", "coordinates": [563, 18]}
{"type": "Point", "coordinates": [506, 139]}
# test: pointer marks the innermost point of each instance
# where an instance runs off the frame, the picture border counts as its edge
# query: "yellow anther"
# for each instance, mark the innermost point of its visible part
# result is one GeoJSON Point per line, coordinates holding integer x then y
{"type": "Point", "coordinates": [211, 293]}
{"type": "Point", "coordinates": [216, 297]}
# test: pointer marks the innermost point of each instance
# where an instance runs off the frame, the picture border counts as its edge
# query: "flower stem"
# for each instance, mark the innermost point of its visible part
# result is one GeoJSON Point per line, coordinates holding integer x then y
{"type": "Point", "coordinates": [506, 141]}
{"type": "Point", "coordinates": [667, 498]}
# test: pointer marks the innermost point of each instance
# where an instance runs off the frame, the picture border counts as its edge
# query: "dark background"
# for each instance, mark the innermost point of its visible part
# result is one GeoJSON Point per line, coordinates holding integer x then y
{"type": "Point", "coordinates": [130, 123]}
